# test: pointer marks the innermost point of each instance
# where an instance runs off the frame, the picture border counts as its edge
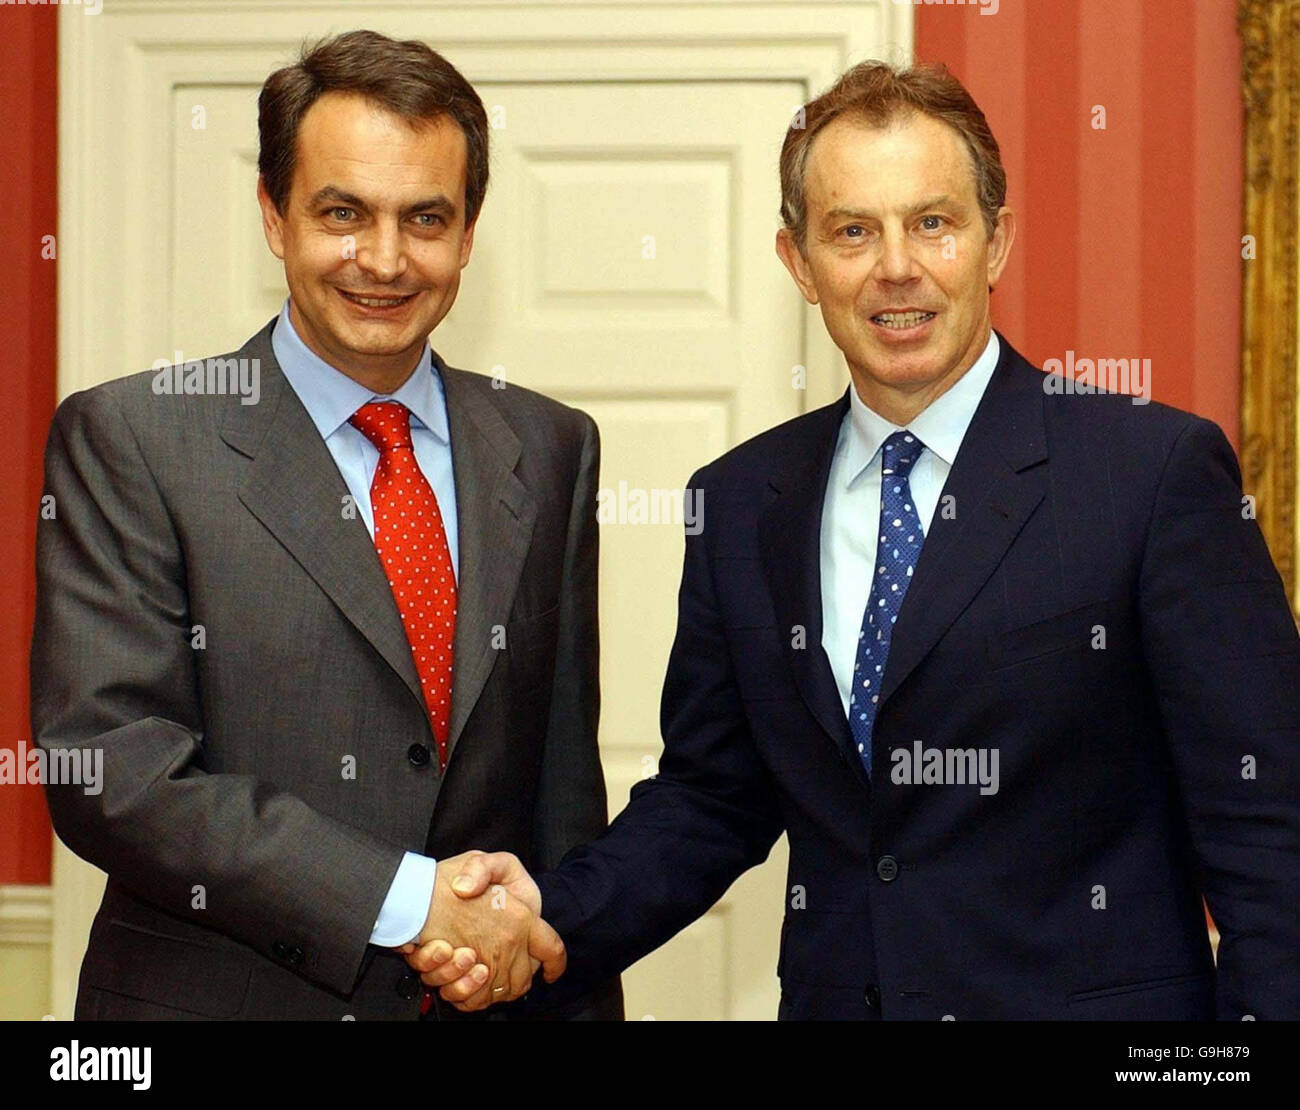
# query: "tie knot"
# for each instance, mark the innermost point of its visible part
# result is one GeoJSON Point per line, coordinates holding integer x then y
{"type": "Point", "coordinates": [899, 453]}
{"type": "Point", "coordinates": [387, 424]}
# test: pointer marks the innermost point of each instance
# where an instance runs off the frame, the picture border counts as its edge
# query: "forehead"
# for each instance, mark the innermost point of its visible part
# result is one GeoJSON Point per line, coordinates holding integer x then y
{"type": "Point", "coordinates": [850, 158]}
{"type": "Point", "coordinates": [351, 135]}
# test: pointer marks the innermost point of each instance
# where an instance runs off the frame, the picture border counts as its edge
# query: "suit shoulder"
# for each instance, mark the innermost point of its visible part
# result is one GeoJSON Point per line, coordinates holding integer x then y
{"type": "Point", "coordinates": [1137, 438]}
{"type": "Point", "coordinates": [201, 386]}
{"type": "Point", "coordinates": [1125, 425]}
{"type": "Point", "coordinates": [103, 411]}
{"type": "Point", "coordinates": [126, 392]}
{"type": "Point", "coordinates": [527, 411]}
{"type": "Point", "coordinates": [741, 463]}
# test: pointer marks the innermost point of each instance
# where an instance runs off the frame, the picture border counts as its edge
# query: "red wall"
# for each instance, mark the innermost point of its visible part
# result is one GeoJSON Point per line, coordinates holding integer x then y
{"type": "Point", "coordinates": [1128, 240]}
{"type": "Point", "coordinates": [28, 121]}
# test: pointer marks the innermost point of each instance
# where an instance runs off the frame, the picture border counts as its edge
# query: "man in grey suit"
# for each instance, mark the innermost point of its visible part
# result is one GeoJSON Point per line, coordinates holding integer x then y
{"type": "Point", "coordinates": [338, 627]}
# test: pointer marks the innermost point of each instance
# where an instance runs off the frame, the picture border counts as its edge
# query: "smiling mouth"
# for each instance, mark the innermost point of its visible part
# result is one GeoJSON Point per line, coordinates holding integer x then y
{"type": "Point", "coordinates": [376, 302]}
{"type": "Point", "coordinates": [901, 320]}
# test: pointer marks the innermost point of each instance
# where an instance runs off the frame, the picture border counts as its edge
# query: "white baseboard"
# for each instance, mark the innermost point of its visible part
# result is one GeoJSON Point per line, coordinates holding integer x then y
{"type": "Point", "coordinates": [26, 914]}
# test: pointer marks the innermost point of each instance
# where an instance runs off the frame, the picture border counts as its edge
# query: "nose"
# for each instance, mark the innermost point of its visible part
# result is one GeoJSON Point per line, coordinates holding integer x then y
{"type": "Point", "coordinates": [896, 263]}
{"type": "Point", "coordinates": [381, 253]}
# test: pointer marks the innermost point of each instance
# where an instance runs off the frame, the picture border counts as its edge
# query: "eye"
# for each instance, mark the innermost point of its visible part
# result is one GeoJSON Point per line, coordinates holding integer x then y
{"type": "Point", "coordinates": [939, 220]}
{"type": "Point", "coordinates": [849, 232]}
{"type": "Point", "coordinates": [433, 218]}
{"type": "Point", "coordinates": [335, 213]}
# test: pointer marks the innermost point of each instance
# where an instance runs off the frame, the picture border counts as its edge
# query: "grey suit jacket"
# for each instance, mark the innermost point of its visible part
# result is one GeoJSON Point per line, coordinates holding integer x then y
{"type": "Point", "coordinates": [213, 619]}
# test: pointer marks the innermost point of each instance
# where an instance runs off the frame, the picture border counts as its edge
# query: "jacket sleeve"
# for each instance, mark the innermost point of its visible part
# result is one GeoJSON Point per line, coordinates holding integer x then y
{"type": "Point", "coordinates": [571, 804]}
{"type": "Point", "coordinates": [113, 677]}
{"type": "Point", "coordinates": [687, 833]}
{"type": "Point", "coordinates": [1224, 656]}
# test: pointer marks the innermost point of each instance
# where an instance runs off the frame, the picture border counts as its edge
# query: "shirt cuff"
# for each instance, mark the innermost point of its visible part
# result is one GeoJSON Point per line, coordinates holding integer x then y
{"type": "Point", "coordinates": [406, 908]}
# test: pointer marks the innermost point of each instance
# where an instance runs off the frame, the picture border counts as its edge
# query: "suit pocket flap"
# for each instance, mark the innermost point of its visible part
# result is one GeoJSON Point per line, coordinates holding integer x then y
{"type": "Point", "coordinates": [1188, 980]}
{"type": "Point", "coordinates": [167, 970]}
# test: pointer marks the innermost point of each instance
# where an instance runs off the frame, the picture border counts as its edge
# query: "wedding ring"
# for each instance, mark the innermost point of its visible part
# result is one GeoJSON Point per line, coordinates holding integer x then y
{"type": "Point", "coordinates": [498, 990]}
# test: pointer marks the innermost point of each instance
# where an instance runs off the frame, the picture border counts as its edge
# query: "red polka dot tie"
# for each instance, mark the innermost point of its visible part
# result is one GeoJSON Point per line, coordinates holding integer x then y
{"type": "Point", "coordinates": [412, 545]}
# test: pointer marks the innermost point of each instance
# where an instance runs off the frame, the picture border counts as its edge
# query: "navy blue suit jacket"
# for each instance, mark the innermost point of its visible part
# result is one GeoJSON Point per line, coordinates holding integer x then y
{"type": "Point", "coordinates": [1135, 778]}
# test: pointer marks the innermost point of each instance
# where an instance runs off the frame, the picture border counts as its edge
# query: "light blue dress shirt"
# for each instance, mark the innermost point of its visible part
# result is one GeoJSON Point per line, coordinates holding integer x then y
{"type": "Point", "coordinates": [851, 505]}
{"type": "Point", "coordinates": [330, 398]}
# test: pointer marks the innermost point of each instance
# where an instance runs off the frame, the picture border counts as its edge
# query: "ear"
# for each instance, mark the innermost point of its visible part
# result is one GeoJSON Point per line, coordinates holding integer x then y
{"type": "Point", "coordinates": [1004, 234]}
{"type": "Point", "coordinates": [272, 221]}
{"type": "Point", "coordinates": [789, 253]}
{"type": "Point", "coordinates": [467, 243]}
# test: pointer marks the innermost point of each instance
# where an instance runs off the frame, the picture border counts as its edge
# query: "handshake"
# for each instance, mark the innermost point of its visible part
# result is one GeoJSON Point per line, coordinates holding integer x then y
{"type": "Point", "coordinates": [484, 938]}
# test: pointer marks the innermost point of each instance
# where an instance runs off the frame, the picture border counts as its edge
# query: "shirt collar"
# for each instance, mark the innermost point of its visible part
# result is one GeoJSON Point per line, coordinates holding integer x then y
{"type": "Point", "coordinates": [941, 425]}
{"type": "Point", "coordinates": [331, 397]}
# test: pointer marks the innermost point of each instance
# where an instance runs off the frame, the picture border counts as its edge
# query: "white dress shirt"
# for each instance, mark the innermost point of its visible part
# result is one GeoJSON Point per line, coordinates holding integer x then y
{"type": "Point", "coordinates": [851, 507]}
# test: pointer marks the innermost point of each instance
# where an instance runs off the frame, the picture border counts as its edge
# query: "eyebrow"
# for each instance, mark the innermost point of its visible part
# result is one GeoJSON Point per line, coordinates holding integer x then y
{"type": "Point", "coordinates": [439, 203]}
{"type": "Point", "coordinates": [842, 212]}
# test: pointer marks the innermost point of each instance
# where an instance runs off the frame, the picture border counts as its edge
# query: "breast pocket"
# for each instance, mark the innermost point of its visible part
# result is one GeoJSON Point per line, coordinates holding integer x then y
{"type": "Point", "coordinates": [530, 648]}
{"type": "Point", "coordinates": [1072, 630]}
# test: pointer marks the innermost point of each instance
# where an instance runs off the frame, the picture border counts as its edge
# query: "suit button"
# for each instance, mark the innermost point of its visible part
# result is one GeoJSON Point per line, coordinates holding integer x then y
{"type": "Point", "coordinates": [294, 955]}
{"type": "Point", "coordinates": [887, 869]}
{"type": "Point", "coordinates": [279, 949]}
{"type": "Point", "coordinates": [408, 986]}
{"type": "Point", "coordinates": [418, 754]}
{"type": "Point", "coordinates": [873, 996]}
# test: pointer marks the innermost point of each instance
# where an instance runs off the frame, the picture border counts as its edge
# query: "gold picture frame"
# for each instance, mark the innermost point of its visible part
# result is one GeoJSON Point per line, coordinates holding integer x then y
{"type": "Point", "coordinates": [1270, 76]}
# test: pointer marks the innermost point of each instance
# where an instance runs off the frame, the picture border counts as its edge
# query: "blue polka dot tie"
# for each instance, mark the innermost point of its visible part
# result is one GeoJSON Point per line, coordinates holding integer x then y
{"type": "Point", "coordinates": [898, 548]}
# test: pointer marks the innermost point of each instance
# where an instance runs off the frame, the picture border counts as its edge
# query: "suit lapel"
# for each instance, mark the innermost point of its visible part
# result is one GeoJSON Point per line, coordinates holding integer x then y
{"type": "Point", "coordinates": [294, 488]}
{"type": "Point", "coordinates": [495, 516]}
{"type": "Point", "coordinates": [994, 486]}
{"type": "Point", "coordinates": [790, 540]}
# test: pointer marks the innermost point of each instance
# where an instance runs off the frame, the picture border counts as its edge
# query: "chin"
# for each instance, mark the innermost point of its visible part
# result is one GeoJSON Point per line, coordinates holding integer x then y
{"type": "Point", "coordinates": [906, 365]}
{"type": "Point", "coordinates": [364, 346]}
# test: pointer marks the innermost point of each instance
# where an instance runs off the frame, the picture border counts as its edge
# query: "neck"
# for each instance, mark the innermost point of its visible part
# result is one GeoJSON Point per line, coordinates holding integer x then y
{"type": "Point", "coordinates": [899, 405]}
{"type": "Point", "coordinates": [383, 380]}
{"type": "Point", "coordinates": [382, 374]}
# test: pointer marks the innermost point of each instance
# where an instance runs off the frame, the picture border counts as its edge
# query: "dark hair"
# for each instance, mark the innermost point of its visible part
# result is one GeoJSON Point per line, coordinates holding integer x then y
{"type": "Point", "coordinates": [407, 78]}
{"type": "Point", "coordinates": [876, 93]}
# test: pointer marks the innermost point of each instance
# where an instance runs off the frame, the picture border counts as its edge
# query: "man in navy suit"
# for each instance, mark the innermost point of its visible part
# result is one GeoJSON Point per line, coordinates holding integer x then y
{"type": "Point", "coordinates": [1006, 659]}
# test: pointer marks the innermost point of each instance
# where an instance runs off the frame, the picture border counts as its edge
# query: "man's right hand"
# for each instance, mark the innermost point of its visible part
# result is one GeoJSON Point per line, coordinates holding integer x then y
{"type": "Point", "coordinates": [500, 878]}
{"type": "Point", "coordinates": [485, 908]}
